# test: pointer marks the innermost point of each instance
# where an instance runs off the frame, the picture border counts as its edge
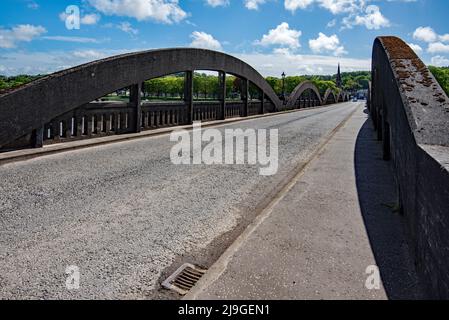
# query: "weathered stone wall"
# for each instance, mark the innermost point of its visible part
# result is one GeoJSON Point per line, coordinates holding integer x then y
{"type": "Point", "coordinates": [411, 115]}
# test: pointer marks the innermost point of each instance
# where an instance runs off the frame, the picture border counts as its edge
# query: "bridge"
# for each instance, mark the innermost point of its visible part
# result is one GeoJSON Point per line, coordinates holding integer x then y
{"type": "Point", "coordinates": [89, 183]}
{"type": "Point", "coordinates": [65, 111]}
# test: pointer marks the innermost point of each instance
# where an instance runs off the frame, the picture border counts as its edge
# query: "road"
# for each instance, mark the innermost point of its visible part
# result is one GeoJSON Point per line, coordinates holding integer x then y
{"type": "Point", "coordinates": [127, 217]}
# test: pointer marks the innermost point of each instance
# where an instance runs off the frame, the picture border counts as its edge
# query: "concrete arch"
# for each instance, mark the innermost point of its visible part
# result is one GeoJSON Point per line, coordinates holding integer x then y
{"type": "Point", "coordinates": [340, 97]}
{"type": "Point", "coordinates": [328, 93]}
{"type": "Point", "coordinates": [299, 90]}
{"type": "Point", "coordinates": [29, 107]}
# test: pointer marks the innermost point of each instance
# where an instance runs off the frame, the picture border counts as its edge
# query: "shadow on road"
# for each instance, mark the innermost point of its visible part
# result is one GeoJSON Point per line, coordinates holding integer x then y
{"type": "Point", "coordinates": [377, 197]}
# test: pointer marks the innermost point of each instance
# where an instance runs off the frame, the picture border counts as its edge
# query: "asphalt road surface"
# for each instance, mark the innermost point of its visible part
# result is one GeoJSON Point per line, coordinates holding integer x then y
{"type": "Point", "coordinates": [126, 217]}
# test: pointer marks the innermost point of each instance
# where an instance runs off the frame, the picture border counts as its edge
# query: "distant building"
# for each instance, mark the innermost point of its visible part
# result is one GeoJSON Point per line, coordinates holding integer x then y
{"type": "Point", "coordinates": [339, 82]}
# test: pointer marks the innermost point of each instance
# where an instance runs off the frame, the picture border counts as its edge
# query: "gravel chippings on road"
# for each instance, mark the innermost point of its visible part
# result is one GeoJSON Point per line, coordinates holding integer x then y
{"type": "Point", "coordinates": [123, 212]}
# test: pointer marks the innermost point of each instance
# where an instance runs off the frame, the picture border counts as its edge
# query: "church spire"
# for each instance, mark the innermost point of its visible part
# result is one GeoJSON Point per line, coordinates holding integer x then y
{"type": "Point", "coordinates": [339, 82]}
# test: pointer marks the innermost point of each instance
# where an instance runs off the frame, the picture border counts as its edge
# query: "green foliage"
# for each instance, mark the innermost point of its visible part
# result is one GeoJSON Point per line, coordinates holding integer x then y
{"type": "Point", "coordinates": [351, 81]}
{"type": "Point", "coordinates": [205, 86]}
{"type": "Point", "coordinates": [323, 85]}
{"type": "Point", "coordinates": [8, 83]}
{"type": "Point", "coordinates": [441, 74]}
{"type": "Point", "coordinates": [163, 87]}
{"type": "Point", "coordinates": [276, 84]}
{"type": "Point", "coordinates": [292, 82]}
{"type": "Point", "coordinates": [356, 80]}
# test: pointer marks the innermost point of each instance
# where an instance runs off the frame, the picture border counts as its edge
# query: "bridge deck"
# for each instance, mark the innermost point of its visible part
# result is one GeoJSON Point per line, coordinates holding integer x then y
{"type": "Point", "coordinates": [127, 217]}
{"type": "Point", "coordinates": [317, 241]}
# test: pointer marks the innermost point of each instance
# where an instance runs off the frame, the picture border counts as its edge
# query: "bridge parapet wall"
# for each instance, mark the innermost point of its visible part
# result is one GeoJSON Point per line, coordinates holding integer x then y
{"type": "Point", "coordinates": [98, 119]}
{"type": "Point", "coordinates": [411, 115]}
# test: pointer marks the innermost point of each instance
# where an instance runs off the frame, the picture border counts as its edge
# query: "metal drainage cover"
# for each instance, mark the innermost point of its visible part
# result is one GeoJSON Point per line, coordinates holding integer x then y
{"type": "Point", "coordinates": [183, 279]}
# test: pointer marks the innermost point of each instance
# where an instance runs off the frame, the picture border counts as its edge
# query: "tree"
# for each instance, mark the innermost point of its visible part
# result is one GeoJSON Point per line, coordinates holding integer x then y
{"type": "Point", "coordinates": [291, 83]}
{"type": "Point", "coordinates": [276, 84]}
{"type": "Point", "coordinates": [442, 76]}
{"type": "Point", "coordinates": [229, 85]}
{"type": "Point", "coordinates": [8, 83]}
{"type": "Point", "coordinates": [323, 85]}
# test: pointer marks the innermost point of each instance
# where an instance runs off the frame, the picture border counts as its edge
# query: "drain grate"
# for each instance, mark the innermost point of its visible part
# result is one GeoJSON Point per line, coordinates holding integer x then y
{"type": "Point", "coordinates": [183, 279]}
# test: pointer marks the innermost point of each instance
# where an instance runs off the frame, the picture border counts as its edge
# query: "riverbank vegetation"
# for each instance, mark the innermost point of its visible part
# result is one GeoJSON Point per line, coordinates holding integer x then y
{"type": "Point", "coordinates": [442, 76]}
{"type": "Point", "coordinates": [205, 85]}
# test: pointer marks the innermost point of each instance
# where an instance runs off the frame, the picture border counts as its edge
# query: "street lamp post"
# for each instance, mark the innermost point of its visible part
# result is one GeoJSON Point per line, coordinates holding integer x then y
{"type": "Point", "coordinates": [283, 86]}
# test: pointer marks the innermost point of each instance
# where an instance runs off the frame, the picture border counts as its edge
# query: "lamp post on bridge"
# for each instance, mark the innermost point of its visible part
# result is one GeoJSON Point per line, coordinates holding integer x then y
{"type": "Point", "coordinates": [283, 87]}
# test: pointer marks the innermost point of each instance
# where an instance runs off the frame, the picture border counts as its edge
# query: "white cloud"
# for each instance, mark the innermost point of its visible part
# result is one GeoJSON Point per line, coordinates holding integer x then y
{"type": "Point", "coordinates": [372, 19]}
{"type": "Point", "coordinates": [294, 5]}
{"type": "Point", "coordinates": [253, 4]}
{"type": "Point", "coordinates": [293, 64]}
{"type": "Point", "coordinates": [334, 6]}
{"type": "Point", "coordinates": [272, 64]}
{"type": "Point", "coordinates": [444, 37]}
{"type": "Point", "coordinates": [283, 51]}
{"type": "Point", "coordinates": [166, 11]}
{"type": "Point", "coordinates": [204, 40]}
{"type": "Point", "coordinates": [438, 47]}
{"type": "Point", "coordinates": [127, 27]}
{"type": "Point", "coordinates": [330, 44]}
{"type": "Point", "coordinates": [89, 54]}
{"type": "Point", "coordinates": [332, 23]}
{"type": "Point", "coordinates": [358, 12]}
{"type": "Point", "coordinates": [217, 3]}
{"type": "Point", "coordinates": [436, 43]}
{"type": "Point", "coordinates": [22, 62]}
{"type": "Point", "coordinates": [71, 39]}
{"type": "Point", "coordinates": [282, 35]}
{"type": "Point", "coordinates": [90, 19]}
{"type": "Point", "coordinates": [439, 61]}
{"type": "Point", "coordinates": [415, 48]}
{"type": "Point", "coordinates": [426, 34]}
{"type": "Point", "coordinates": [9, 38]}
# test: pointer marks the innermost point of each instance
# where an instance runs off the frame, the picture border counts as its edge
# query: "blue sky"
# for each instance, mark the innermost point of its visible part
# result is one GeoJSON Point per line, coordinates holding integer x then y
{"type": "Point", "coordinates": [295, 36]}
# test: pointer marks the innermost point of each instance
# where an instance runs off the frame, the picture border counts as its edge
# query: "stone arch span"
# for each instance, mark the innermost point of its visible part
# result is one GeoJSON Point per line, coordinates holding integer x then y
{"type": "Point", "coordinates": [329, 94]}
{"type": "Point", "coordinates": [299, 90]}
{"type": "Point", "coordinates": [340, 97]}
{"type": "Point", "coordinates": [29, 107]}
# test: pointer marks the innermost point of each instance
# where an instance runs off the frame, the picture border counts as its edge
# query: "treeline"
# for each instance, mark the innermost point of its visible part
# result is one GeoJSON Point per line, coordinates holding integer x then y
{"type": "Point", "coordinates": [205, 86]}
{"type": "Point", "coordinates": [442, 76]}
{"type": "Point", "coordinates": [9, 83]}
{"type": "Point", "coordinates": [290, 84]}
{"type": "Point", "coordinates": [358, 80]}
{"type": "Point", "coordinates": [351, 81]}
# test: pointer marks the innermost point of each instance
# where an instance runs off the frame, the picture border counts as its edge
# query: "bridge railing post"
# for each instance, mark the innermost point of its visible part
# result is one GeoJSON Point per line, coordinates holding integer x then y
{"type": "Point", "coordinates": [135, 99]}
{"type": "Point", "coordinates": [222, 94]}
{"type": "Point", "coordinates": [245, 96]}
{"type": "Point", "coordinates": [188, 95]}
{"type": "Point", "coordinates": [37, 138]}
{"type": "Point", "coordinates": [262, 102]}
